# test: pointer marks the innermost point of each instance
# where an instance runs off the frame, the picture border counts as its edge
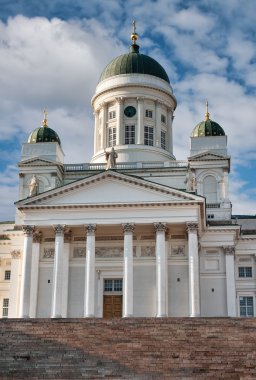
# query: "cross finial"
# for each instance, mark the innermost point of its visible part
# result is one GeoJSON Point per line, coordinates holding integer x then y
{"type": "Point", "coordinates": [134, 35]}
{"type": "Point", "coordinates": [45, 120]}
{"type": "Point", "coordinates": [207, 115]}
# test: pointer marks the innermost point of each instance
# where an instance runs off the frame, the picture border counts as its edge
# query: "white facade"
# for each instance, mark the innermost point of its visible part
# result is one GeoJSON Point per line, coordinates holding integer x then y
{"type": "Point", "coordinates": [151, 236]}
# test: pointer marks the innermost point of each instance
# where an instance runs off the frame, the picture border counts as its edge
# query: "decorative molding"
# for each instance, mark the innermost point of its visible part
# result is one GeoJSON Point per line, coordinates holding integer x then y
{"type": "Point", "coordinates": [229, 250]}
{"type": "Point", "coordinates": [21, 175]}
{"type": "Point", "coordinates": [192, 227]}
{"type": "Point", "coordinates": [37, 237]}
{"type": "Point", "coordinates": [178, 250]}
{"type": "Point", "coordinates": [59, 229]}
{"type": "Point", "coordinates": [90, 229]}
{"type": "Point", "coordinates": [160, 227]}
{"type": "Point", "coordinates": [128, 227]}
{"type": "Point", "coordinates": [79, 252]}
{"type": "Point", "coordinates": [79, 238]}
{"type": "Point", "coordinates": [16, 254]}
{"type": "Point", "coordinates": [28, 230]}
{"type": "Point", "coordinates": [148, 251]}
{"type": "Point", "coordinates": [48, 253]}
{"type": "Point", "coordinates": [109, 252]}
{"type": "Point", "coordinates": [49, 239]}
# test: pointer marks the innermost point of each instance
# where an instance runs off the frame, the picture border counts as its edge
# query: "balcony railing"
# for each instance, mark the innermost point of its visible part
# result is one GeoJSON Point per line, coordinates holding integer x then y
{"type": "Point", "coordinates": [125, 165]}
{"type": "Point", "coordinates": [212, 205]}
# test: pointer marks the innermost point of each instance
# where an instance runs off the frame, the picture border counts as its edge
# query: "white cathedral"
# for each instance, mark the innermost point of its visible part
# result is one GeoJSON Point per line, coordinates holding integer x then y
{"type": "Point", "coordinates": [134, 232]}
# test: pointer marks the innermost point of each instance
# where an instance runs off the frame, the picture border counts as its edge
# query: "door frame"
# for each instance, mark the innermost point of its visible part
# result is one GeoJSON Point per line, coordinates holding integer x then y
{"type": "Point", "coordinates": [101, 276]}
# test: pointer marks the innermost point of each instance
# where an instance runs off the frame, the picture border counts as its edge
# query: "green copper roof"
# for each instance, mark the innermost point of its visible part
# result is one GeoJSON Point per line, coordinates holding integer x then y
{"type": "Point", "coordinates": [134, 63]}
{"type": "Point", "coordinates": [43, 134]}
{"type": "Point", "coordinates": [207, 128]}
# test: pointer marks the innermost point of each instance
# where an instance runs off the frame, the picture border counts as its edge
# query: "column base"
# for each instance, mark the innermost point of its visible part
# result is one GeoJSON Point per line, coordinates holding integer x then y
{"type": "Point", "coordinates": [25, 316]}
{"type": "Point", "coordinates": [194, 315]}
{"type": "Point", "coordinates": [56, 316]}
{"type": "Point", "coordinates": [89, 316]}
{"type": "Point", "coordinates": [128, 316]}
{"type": "Point", "coordinates": [161, 316]}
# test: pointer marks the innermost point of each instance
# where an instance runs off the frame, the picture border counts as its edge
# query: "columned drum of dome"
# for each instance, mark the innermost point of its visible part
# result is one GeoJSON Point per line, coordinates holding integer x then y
{"type": "Point", "coordinates": [133, 108]}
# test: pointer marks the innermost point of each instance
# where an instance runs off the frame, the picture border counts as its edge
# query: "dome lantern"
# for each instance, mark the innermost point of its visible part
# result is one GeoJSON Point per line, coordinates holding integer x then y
{"type": "Point", "coordinates": [43, 134]}
{"type": "Point", "coordinates": [207, 127]}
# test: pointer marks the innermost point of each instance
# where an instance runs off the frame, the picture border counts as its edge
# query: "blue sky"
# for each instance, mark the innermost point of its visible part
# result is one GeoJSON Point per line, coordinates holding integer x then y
{"type": "Point", "coordinates": [53, 51]}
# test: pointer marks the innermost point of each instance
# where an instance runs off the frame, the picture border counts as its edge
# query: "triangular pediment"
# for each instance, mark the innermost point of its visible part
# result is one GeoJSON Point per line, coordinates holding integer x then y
{"type": "Point", "coordinates": [108, 188]}
{"type": "Point", "coordinates": [208, 155]}
{"type": "Point", "coordinates": [38, 162]}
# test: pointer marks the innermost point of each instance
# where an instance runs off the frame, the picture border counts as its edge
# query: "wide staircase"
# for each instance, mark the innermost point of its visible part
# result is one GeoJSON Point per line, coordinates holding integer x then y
{"type": "Point", "coordinates": [138, 348]}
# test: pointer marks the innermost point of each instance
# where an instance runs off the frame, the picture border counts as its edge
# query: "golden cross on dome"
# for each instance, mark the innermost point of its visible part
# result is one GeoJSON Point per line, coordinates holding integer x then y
{"type": "Point", "coordinates": [45, 120]}
{"type": "Point", "coordinates": [134, 35]}
{"type": "Point", "coordinates": [207, 115]}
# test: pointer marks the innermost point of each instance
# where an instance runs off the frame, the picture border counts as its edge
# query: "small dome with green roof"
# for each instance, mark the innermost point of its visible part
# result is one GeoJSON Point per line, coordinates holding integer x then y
{"type": "Point", "coordinates": [43, 134]}
{"type": "Point", "coordinates": [134, 63]}
{"type": "Point", "coordinates": [207, 127]}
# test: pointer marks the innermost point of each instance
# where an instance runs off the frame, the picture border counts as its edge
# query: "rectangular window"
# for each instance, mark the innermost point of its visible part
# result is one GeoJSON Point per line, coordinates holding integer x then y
{"type": "Point", "coordinates": [5, 307]}
{"type": "Point", "coordinates": [163, 139]}
{"type": "Point", "coordinates": [113, 285]}
{"type": "Point", "coordinates": [149, 113]}
{"type": "Point", "coordinates": [112, 136]}
{"type": "Point", "coordinates": [129, 134]}
{"type": "Point", "coordinates": [149, 136]}
{"type": "Point", "coordinates": [245, 271]}
{"type": "Point", "coordinates": [7, 275]}
{"type": "Point", "coordinates": [112, 115]}
{"type": "Point", "coordinates": [246, 306]}
{"type": "Point", "coordinates": [163, 119]}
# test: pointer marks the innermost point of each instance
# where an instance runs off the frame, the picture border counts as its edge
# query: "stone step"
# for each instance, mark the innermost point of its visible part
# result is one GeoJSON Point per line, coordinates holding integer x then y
{"type": "Point", "coordinates": [132, 348]}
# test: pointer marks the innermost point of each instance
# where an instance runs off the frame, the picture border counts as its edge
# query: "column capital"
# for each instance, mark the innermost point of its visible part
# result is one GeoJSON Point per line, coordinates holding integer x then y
{"type": "Point", "coordinates": [90, 229]}
{"type": "Point", "coordinates": [229, 250]}
{"type": "Point", "coordinates": [16, 254]}
{"type": "Point", "coordinates": [192, 227]}
{"type": "Point", "coordinates": [160, 227]}
{"type": "Point", "coordinates": [21, 175]}
{"type": "Point", "coordinates": [59, 229]}
{"type": "Point", "coordinates": [120, 99]}
{"type": "Point", "coordinates": [140, 99]}
{"type": "Point", "coordinates": [128, 227]}
{"type": "Point", "coordinates": [28, 230]}
{"type": "Point", "coordinates": [37, 236]}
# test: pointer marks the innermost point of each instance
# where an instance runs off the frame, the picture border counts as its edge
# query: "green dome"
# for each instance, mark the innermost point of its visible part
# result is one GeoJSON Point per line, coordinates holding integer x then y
{"type": "Point", "coordinates": [207, 128]}
{"type": "Point", "coordinates": [43, 134]}
{"type": "Point", "coordinates": [134, 63]}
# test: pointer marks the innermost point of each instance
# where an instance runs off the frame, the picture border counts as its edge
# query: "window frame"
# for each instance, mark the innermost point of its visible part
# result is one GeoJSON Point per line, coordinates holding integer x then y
{"type": "Point", "coordinates": [129, 134]}
{"type": "Point", "coordinates": [148, 135]}
{"type": "Point", "coordinates": [7, 275]}
{"type": "Point", "coordinates": [149, 113]}
{"type": "Point", "coordinates": [245, 272]}
{"type": "Point", "coordinates": [114, 285]}
{"type": "Point", "coordinates": [112, 114]}
{"type": "Point", "coordinates": [163, 139]}
{"type": "Point", "coordinates": [246, 306]}
{"type": "Point", "coordinates": [5, 308]}
{"type": "Point", "coordinates": [163, 118]}
{"type": "Point", "coordinates": [111, 136]}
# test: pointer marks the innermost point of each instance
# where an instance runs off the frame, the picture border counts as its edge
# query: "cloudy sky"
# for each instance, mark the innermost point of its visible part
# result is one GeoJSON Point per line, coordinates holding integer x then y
{"type": "Point", "coordinates": [53, 51]}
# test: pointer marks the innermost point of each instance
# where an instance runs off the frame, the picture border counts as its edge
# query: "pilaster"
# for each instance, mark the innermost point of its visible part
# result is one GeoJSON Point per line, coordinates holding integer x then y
{"type": "Point", "coordinates": [58, 272]}
{"type": "Point", "coordinates": [194, 293]}
{"type": "Point", "coordinates": [229, 252]}
{"type": "Point", "coordinates": [89, 304]}
{"type": "Point", "coordinates": [161, 271]}
{"type": "Point", "coordinates": [37, 238]}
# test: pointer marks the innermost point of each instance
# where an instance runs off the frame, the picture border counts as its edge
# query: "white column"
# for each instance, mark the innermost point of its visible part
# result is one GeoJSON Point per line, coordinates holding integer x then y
{"type": "Point", "coordinates": [169, 128]}
{"type": "Point", "coordinates": [89, 304]}
{"type": "Point", "coordinates": [104, 126]}
{"type": "Point", "coordinates": [128, 270]}
{"type": "Point", "coordinates": [193, 262]}
{"type": "Point", "coordinates": [21, 186]}
{"type": "Point", "coordinates": [140, 122]}
{"type": "Point", "coordinates": [37, 236]}
{"type": "Point", "coordinates": [229, 252]}
{"type": "Point", "coordinates": [58, 272]}
{"type": "Point", "coordinates": [26, 272]}
{"type": "Point", "coordinates": [96, 131]}
{"type": "Point", "coordinates": [158, 124]}
{"type": "Point", "coordinates": [14, 285]}
{"type": "Point", "coordinates": [120, 126]}
{"type": "Point", "coordinates": [66, 254]}
{"type": "Point", "coordinates": [161, 271]}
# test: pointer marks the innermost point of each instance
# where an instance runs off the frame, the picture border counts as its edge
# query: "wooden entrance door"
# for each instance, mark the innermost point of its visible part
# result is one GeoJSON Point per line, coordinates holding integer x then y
{"type": "Point", "coordinates": [112, 306]}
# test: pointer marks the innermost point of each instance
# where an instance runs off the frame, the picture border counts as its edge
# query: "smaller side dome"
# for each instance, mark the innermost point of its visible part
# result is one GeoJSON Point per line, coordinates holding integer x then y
{"type": "Point", "coordinates": [207, 127]}
{"type": "Point", "coordinates": [43, 134]}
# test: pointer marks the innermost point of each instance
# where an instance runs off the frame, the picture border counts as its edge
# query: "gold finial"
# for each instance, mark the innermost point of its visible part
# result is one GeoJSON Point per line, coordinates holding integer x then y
{"type": "Point", "coordinates": [134, 35]}
{"type": "Point", "coordinates": [45, 120]}
{"type": "Point", "coordinates": [207, 115]}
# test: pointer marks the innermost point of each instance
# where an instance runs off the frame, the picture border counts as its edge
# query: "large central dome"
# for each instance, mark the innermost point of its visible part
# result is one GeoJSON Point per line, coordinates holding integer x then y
{"type": "Point", "coordinates": [134, 63]}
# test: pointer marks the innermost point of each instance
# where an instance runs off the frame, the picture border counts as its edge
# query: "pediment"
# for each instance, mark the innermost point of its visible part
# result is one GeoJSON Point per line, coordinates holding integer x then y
{"type": "Point", "coordinates": [207, 155]}
{"type": "Point", "coordinates": [110, 188]}
{"type": "Point", "coordinates": [38, 162]}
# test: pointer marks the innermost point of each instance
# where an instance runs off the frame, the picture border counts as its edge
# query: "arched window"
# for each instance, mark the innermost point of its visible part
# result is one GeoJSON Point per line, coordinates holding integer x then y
{"type": "Point", "coordinates": [210, 189]}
